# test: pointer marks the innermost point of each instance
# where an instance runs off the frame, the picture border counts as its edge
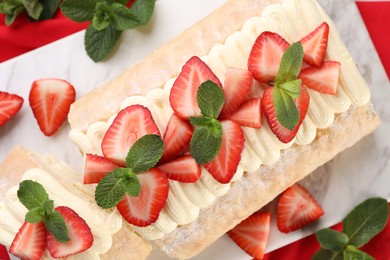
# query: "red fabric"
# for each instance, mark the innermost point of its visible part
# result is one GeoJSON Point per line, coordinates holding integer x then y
{"type": "Point", "coordinates": [24, 36]}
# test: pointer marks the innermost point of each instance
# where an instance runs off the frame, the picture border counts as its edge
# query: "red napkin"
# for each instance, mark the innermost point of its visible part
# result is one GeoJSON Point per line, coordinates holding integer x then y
{"type": "Point", "coordinates": [24, 36]}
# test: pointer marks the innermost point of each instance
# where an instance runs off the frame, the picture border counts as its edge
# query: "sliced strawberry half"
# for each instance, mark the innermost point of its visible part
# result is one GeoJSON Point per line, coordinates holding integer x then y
{"type": "Point", "coordinates": [302, 102]}
{"type": "Point", "coordinates": [10, 104]}
{"type": "Point", "coordinates": [249, 113]}
{"type": "Point", "coordinates": [129, 125]}
{"type": "Point", "coordinates": [323, 79]}
{"type": "Point", "coordinates": [79, 233]}
{"type": "Point", "coordinates": [96, 167]}
{"type": "Point", "coordinates": [144, 210]}
{"type": "Point", "coordinates": [183, 93]}
{"type": "Point", "coordinates": [296, 209]}
{"type": "Point", "coordinates": [183, 169]}
{"type": "Point", "coordinates": [314, 45]}
{"type": "Point", "coordinates": [50, 101]}
{"type": "Point", "coordinates": [251, 235]}
{"type": "Point", "coordinates": [30, 241]}
{"type": "Point", "coordinates": [224, 165]}
{"type": "Point", "coordinates": [265, 56]}
{"type": "Point", "coordinates": [176, 138]}
{"type": "Point", "coordinates": [238, 83]}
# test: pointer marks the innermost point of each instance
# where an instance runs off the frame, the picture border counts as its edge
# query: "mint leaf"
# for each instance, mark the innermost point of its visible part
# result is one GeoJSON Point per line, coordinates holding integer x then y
{"type": "Point", "coordinates": [143, 9]}
{"type": "Point", "coordinates": [133, 186]}
{"type": "Point", "coordinates": [202, 121]}
{"type": "Point", "coordinates": [111, 189]}
{"type": "Point", "coordinates": [49, 8]}
{"type": "Point", "coordinates": [31, 194]}
{"type": "Point", "coordinates": [11, 9]}
{"type": "Point", "coordinates": [323, 254]}
{"type": "Point", "coordinates": [124, 18]}
{"type": "Point", "coordinates": [10, 18]}
{"type": "Point", "coordinates": [48, 206]}
{"type": "Point", "coordinates": [287, 112]}
{"type": "Point", "coordinates": [210, 99]}
{"type": "Point", "coordinates": [34, 8]}
{"type": "Point", "coordinates": [206, 142]}
{"type": "Point", "coordinates": [291, 88]}
{"type": "Point", "coordinates": [56, 225]}
{"type": "Point", "coordinates": [291, 63]}
{"type": "Point", "coordinates": [35, 215]}
{"type": "Point", "coordinates": [352, 253]}
{"type": "Point", "coordinates": [331, 239]}
{"type": "Point", "coordinates": [366, 220]}
{"type": "Point", "coordinates": [122, 2]}
{"type": "Point", "coordinates": [145, 153]}
{"type": "Point", "coordinates": [78, 10]}
{"type": "Point", "coordinates": [99, 44]}
{"type": "Point", "coordinates": [102, 16]}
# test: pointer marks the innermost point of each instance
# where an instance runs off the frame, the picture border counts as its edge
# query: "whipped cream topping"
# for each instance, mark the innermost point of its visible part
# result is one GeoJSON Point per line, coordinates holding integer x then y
{"type": "Point", "coordinates": [292, 20]}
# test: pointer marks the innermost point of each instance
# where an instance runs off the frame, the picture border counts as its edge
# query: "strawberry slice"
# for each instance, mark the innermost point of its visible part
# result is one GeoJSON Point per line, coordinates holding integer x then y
{"type": "Point", "coordinates": [302, 102]}
{"type": "Point", "coordinates": [265, 56]}
{"type": "Point", "coordinates": [183, 93]}
{"type": "Point", "coordinates": [176, 138]}
{"type": "Point", "coordinates": [96, 167]}
{"type": "Point", "coordinates": [144, 210]}
{"type": "Point", "coordinates": [248, 114]}
{"type": "Point", "coordinates": [238, 83]}
{"type": "Point", "coordinates": [224, 165]}
{"type": "Point", "coordinates": [314, 45]}
{"type": "Point", "coordinates": [10, 104]}
{"type": "Point", "coordinates": [296, 209]}
{"type": "Point", "coordinates": [129, 125]}
{"type": "Point", "coordinates": [251, 235]}
{"type": "Point", "coordinates": [79, 233]}
{"type": "Point", "coordinates": [30, 241]}
{"type": "Point", "coordinates": [183, 169]}
{"type": "Point", "coordinates": [50, 101]}
{"type": "Point", "coordinates": [323, 79]}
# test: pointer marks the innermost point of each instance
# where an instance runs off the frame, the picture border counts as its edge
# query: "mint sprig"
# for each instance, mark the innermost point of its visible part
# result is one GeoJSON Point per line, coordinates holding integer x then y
{"type": "Point", "coordinates": [143, 155]}
{"type": "Point", "coordinates": [108, 20]}
{"type": "Point", "coordinates": [364, 222]}
{"type": "Point", "coordinates": [35, 198]}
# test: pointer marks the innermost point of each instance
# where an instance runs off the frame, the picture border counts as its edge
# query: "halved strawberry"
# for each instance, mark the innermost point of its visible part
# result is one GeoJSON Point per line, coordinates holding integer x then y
{"type": "Point", "coordinates": [238, 83]}
{"type": "Point", "coordinates": [267, 102]}
{"type": "Point", "coordinates": [96, 167]}
{"type": "Point", "coordinates": [30, 241]}
{"type": "Point", "coordinates": [224, 165]}
{"type": "Point", "coordinates": [144, 210]}
{"type": "Point", "coordinates": [79, 233]}
{"type": "Point", "coordinates": [265, 56]}
{"type": "Point", "coordinates": [183, 93]}
{"type": "Point", "coordinates": [10, 104]}
{"type": "Point", "coordinates": [323, 79]}
{"type": "Point", "coordinates": [176, 138]}
{"type": "Point", "coordinates": [314, 45]}
{"type": "Point", "coordinates": [129, 125]}
{"type": "Point", "coordinates": [50, 101]}
{"type": "Point", "coordinates": [251, 235]}
{"type": "Point", "coordinates": [296, 209]}
{"type": "Point", "coordinates": [248, 114]}
{"type": "Point", "coordinates": [183, 169]}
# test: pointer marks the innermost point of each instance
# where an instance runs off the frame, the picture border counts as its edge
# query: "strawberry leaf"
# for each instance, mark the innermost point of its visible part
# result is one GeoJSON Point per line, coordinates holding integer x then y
{"type": "Point", "coordinates": [111, 189]}
{"type": "Point", "coordinates": [210, 99]}
{"type": "Point", "coordinates": [291, 63]}
{"type": "Point", "coordinates": [331, 239]}
{"type": "Point", "coordinates": [287, 112]}
{"type": "Point", "coordinates": [56, 225]}
{"type": "Point", "coordinates": [32, 194]}
{"type": "Point", "coordinates": [206, 142]}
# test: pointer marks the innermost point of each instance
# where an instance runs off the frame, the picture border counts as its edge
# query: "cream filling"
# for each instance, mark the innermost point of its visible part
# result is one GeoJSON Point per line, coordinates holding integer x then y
{"type": "Point", "coordinates": [292, 20]}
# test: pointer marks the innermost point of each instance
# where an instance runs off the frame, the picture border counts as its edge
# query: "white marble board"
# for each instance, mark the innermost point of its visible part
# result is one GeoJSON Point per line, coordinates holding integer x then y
{"type": "Point", "coordinates": [357, 173]}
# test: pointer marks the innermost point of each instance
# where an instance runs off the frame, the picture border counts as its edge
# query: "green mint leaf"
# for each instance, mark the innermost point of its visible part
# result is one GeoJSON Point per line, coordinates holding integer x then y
{"type": "Point", "coordinates": [291, 88]}
{"type": "Point", "coordinates": [145, 153]}
{"type": "Point", "coordinates": [78, 10]}
{"type": "Point", "coordinates": [291, 63]}
{"type": "Point", "coordinates": [32, 194]}
{"type": "Point", "coordinates": [122, 2]}
{"type": "Point", "coordinates": [34, 8]}
{"type": "Point", "coordinates": [210, 99]}
{"type": "Point", "coordinates": [133, 186]}
{"type": "Point", "coordinates": [124, 18]}
{"type": "Point", "coordinates": [99, 44]}
{"type": "Point", "coordinates": [143, 9]}
{"type": "Point", "coordinates": [110, 189]}
{"type": "Point", "coordinates": [48, 206]}
{"type": "Point", "coordinates": [352, 253]}
{"type": "Point", "coordinates": [11, 9]}
{"type": "Point", "coordinates": [49, 8]}
{"type": "Point", "coordinates": [287, 112]}
{"type": "Point", "coordinates": [365, 221]}
{"type": "Point", "coordinates": [202, 121]}
{"type": "Point", "coordinates": [206, 142]}
{"type": "Point", "coordinates": [102, 17]}
{"type": "Point", "coordinates": [10, 18]}
{"type": "Point", "coordinates": [323, 254]}
{"type": "Point", "coordinates": [35, 215]}
{"type": "Point", "coordinates": [56, 225]}
{"type": "Point", "coordinates": [331, 239]}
